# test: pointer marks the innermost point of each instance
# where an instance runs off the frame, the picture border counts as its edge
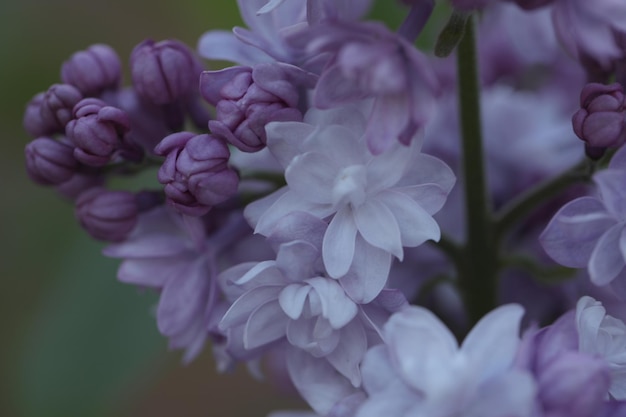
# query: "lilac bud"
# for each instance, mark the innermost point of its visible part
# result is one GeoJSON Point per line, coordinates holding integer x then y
{"type": "Point", "coordinates": [574, 385]}
{"type": "Point", "coordinates": [601, 121]}
{"type": "Point", "coordinates": [164, 72]}
{"type": "Point", "coordinates": [93, 70]}
{"type": "Point", "coordinates": [195, 172]}
{"type": "Point", "coordinates": [247, 99]}
{"type": "Point", "coordinates": [107, 215]}
{"type": "Point", "coordinates": [96, 131]}
{"type": "Point", "coordinates": [531, 4]}
{"type": "Point", "coordinates": [33, 123]}
{"type": "Point", "coordinates": [50, 162]}
{"type": "Point", "coordinates": [79, 183]}
{"type": "Point", "coordinates": [57, 104]}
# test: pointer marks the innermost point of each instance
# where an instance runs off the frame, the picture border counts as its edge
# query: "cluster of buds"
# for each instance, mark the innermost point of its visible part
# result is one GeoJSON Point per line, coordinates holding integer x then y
{"type": "Point", "coordinates": [89, 128]}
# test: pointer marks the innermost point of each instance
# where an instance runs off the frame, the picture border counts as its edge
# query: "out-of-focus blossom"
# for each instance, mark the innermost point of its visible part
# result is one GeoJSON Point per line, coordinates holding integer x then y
{"type": "Point", "coordinates": [50, 162]}
{"type": "Point", "coordinates": [248, 98]}
{"type": "Point", "coordinates": [422, 371]}
{"type": "Point", "coordinates": [93, 70]}
{"type": "Point", "coordinates": [195, 172]}
{"type": "Point", "coordinates": [366, 60]}
{"type": "Point", "coordinates": [601, 121]}
{"type": "Point", "coordinates": [376, 204]}
{"type": "Point", "coordinates": [107, 215]}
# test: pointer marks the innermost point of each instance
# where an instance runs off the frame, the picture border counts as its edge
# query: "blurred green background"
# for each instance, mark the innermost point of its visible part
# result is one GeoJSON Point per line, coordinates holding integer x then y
{"type": "Point", "coordinates": [75, 342]}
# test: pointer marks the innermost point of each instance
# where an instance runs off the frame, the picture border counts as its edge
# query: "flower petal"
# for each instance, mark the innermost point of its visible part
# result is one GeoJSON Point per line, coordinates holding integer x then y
{"type": "Point", "coordinates": [312, 176]}
{"type": "Point", "coordinates": [339, 242]}
{"type": "Point", "coordinates": [266, 324]}
{"type": "Point", "coordinates": [378, 226]}
{"type": "Point", "coordinates": [416, 224]}
{"type": "Point", "coordinates": [368, 274]}
{"type": "Point", "coordinates": [607, 260]}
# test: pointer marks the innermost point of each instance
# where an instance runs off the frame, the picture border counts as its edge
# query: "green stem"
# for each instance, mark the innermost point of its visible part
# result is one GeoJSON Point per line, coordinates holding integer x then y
{"type": "Point", "coordinates": [521, 206]}
{"type": "Point", "coordinates": [478, 277]}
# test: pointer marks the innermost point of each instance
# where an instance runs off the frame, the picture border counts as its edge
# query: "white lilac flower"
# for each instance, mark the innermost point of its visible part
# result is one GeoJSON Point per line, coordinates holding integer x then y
{"type": "Point", "coordinates": [604, 336]}
{"type": "Point", "coordinates": [421, 371]}
{"type": "Point", "coordinates": [291, 300]}
{"type": "Point", "coordinates": [375, 205]}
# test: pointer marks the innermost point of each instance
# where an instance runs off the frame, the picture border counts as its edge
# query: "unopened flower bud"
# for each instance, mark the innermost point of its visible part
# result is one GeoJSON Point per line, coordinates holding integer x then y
{"type": "Point", "coordinates": [164, 72]}
{"type": "Point", "coordinates": [56, 106]}
{"type": "Point", "coordinates": [33, 123]}
{"type": "Point", "coordinates": [195, 173]}
{"type": "Point", "coordinates": [50, 162]}
{"type": "Point", "coordinates": [246, 99]}
{"type": "Point", "coordinates": [601, 121]}
{"type": "Point", "coordinates": [96, 131]}
{"type": "Point", "coordinates": [107, 215]}
{"type": "Point", "coordinates": [93, 70]}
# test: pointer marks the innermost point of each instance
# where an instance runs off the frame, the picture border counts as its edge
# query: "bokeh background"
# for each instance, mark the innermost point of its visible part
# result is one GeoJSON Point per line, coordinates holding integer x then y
{"type": "Point", "coordinates": [74, 341]}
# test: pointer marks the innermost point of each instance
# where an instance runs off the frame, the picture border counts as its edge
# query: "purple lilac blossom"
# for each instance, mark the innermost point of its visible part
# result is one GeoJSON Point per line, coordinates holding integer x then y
{"type": "Point", "coordinates": [93, 70]}
{"type": "Point", "coordinates": [586, 29]}
{"type": "Point", "coordinates": [375, 204]}
{"type": "Point", "coordinates": [292, 300]}
{"type": "Point", "coordinates": [174, 255]}
{"type": "Point", "coordinates": [368, 60]}
{"type": "Point", "coordinates": [195, 172]}
{"type": "Point", "coordinates": [587, 231]}
{"type": "Point", "coordinates": [422, 371]}
{"type": "Point", "coordinates": [247, 98]}
{"type": "Point", "coordinates": [55, 108]}
{"type": "Point", "coordinates": [601, 121]}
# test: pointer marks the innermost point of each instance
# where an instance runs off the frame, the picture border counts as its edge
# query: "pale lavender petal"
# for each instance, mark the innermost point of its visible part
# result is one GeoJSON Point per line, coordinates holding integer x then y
{"type": "Point", "coordinates": [336, 306]}
{"type": "Point", "coordinates": [387, 120]}
{"type": "Point", "coordinates": [269, 6]}
{"type": "Point", "coordinates": [431, 197]}
{"type": "Point", "coordinates": [573, 232]}
{"type": "Point", "coordinates": [334, 89]}
{"type": "Point", "coordinates": [147, 247]}
{"type": "Point", "coordinates": [296, 259]}
{"type": "Point", "coordinates": [242, 308]}
{"type": "Point", "coordinates": [417, 333]}
{"type": "Point", "coordinates": [266, 324]}
{"type": "Point", "coordinates": [292, 299]}
{"type": "Point", "coordinates": [416, 224]}
{"type": "Point", "coordinates": [618, 161]}
{"type": "Point", "coordinates": [348, 354]}
{"type": "Point", "coordinates": [338, 143]}
{"type": "Point", "coordinates": [589, 316]}
{"type": "Point", "coordinates": [305, 334]}
{"type": "Point", "coordinates": [426, 169]}
{"type": "Point", "coordinates": [311, 176]}
{"type": "Point", "coordinates": [317, 381]}
{"type": "Point", "coordinates": [285, 204]}
{"type": "Point", "coordinates": [384, 171]}
{"type": "Point", "coordinates": [508, 394]}
{"type": "Point", "coordinates": [492, 343]}
{"type": "Point", "coordinates": [378, 226]}
{"type": "Point", "coordinates": [610, 183]}
{"type": "Point", "coordinates": [152, 273]}
{"type": "Point", "coordinates": [298, 226]}
{"type": "Point", "coordinates": [607, 260]}
{"type": "Point", "coordinates": [368, 273]}
{"type": "Point", "coordinates": [261, 268]}
{"type": "Point", "coordinates": [183, 298]}
{"type": "Point", "coordinates": [284, 139]}
{"type": "Point", "coordinates": [377, 370]}
{"type": "Point", "coordinates": [339, 242]}
{"type": "Point", "coordinates": [224, 46]}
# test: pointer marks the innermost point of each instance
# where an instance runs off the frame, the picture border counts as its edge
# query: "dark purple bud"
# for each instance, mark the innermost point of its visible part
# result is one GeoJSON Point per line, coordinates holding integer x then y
{"type": "Point", "coordinates": [107, 215]}
{"type": "Point", "coordinates": [601, 121]}
{"type": "Point", "coordinates": [246, 99]}
{"type": "Point", "coordinates": [93, 70]}
{"type": "Point", "coordinates": [80, 183]}
{"type": "Point", "coordinates": [97, 131]}
{"type": "Point", "coordinates": [33, 123]}
{"type": "Point", "coordinates": [50, 162]}
{"type": "Point", "coordinates": [195, 173]}
{"type": "Point", "coordinates": [164, 72]}
{"type": "Point", "coordinates": [57, 104]}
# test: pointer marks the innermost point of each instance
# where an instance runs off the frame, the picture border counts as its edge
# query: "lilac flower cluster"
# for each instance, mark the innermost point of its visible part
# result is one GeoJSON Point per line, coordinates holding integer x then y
{"type": "Point", "coordinates": [357, 206]}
